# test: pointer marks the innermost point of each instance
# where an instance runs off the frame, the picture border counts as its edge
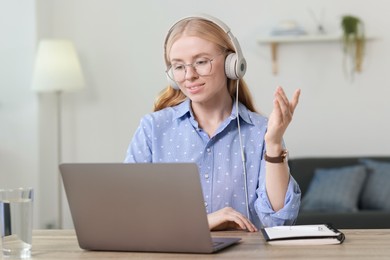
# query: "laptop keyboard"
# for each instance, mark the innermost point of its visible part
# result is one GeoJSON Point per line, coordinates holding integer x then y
{"type": "Point", "coordinates": [215, 243]}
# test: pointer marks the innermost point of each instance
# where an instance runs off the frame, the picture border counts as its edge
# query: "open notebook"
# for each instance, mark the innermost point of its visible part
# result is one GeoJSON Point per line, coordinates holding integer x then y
{"type": "Point", "coordinates": [139, 207]}
{"type": "Point", "coordinates": [323, 234]}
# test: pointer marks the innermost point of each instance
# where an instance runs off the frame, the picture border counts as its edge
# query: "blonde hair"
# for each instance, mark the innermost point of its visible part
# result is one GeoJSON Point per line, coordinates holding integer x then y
{"type": "Point", "coordinates": [209, 31]}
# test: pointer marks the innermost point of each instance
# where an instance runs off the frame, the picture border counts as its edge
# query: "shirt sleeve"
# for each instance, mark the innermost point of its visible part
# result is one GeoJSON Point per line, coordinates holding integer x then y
{"type": "Point", "coordinates": [139, 149]}
{"type": "Point", "coordinates": [285, 216]}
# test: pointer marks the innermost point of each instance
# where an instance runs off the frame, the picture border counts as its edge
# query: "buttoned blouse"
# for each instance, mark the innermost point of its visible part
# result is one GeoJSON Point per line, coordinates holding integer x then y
{"type": "Point", "coordinates": [173, 135]}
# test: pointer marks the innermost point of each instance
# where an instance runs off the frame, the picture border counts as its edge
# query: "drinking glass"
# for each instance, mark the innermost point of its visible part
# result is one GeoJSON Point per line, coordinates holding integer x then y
{"type": "Point", "coordinates": [16, 219]}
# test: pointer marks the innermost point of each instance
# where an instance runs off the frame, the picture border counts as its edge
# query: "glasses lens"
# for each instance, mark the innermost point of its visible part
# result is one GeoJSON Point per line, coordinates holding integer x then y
{"type": "Point", "coordinates": [178, 72]}
{"type": "Point", "coordinates": [202, 66]}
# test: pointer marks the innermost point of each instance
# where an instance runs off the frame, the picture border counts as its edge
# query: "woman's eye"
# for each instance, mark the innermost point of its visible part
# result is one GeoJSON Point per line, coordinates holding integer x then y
{"type": "Point", "coordinates": [201, 62]}
{"type": "Point", "coordinates": [178, 67]}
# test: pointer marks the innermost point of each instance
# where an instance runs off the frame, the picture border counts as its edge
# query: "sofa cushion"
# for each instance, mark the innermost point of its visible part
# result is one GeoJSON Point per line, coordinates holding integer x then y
{"type": "Point", "coordinates": [376, 192]}
{"type": "Point", "coordinates": [335, 189]}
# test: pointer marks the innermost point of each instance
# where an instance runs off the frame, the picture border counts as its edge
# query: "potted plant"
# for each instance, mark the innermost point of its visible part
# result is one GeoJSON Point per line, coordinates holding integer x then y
{"type": "Point", "coordinates": [353, 41]}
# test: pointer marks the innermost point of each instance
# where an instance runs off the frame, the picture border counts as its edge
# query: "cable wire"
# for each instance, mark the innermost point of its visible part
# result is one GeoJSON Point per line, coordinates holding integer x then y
{"type": "Point", "coordinates": [242, 154]}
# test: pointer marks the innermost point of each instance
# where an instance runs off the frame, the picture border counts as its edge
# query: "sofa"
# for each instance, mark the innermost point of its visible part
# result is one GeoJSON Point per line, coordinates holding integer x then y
{"type": "Point", "coordinates": [348, 192]}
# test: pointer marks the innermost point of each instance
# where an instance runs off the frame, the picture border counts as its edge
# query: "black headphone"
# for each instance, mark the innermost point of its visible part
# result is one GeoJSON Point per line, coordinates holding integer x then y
{"type": "Point", "coordinates": [235, 63]}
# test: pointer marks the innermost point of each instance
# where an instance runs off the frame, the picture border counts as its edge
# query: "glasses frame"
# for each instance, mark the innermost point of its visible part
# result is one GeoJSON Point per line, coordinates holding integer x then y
{"type": "Point", "coordinates": [169, 71]}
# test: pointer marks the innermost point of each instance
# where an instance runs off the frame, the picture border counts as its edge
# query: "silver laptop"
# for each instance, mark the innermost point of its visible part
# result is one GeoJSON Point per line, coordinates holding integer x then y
{"type": "Point", "coordinates": [139, 207]}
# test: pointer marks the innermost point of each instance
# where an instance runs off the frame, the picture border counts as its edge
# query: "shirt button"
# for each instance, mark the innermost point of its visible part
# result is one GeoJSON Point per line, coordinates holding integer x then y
{"type": "Point", "coordinates": [208, 150]}
{"type": "Point", "coordinates": [206, 176]}
{"type": "Point", "coordinates": [205, 204]}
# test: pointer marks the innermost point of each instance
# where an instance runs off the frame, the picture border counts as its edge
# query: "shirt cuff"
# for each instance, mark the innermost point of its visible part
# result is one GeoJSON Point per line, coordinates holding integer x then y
{"type": "Point", "coordinates": [285, 216]}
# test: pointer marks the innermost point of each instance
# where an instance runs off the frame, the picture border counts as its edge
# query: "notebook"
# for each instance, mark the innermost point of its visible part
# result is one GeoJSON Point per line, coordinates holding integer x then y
{"type": "Point", "coordinates": [322, 234]}
{"type": "Point", "coordinates": [139, 207]}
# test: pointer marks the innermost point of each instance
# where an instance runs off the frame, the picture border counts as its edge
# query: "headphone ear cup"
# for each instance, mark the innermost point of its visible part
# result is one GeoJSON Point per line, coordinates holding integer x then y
{"type": "Point", "coordinates": [171, 82]}
{"type": "Point", "coordinates": [230, 66]}
{"type": "Point", "coordinates": [234, 68]}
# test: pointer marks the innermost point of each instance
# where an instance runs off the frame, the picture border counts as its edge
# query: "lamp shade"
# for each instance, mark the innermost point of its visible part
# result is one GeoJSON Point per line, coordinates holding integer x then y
{"type": "Point", "coordinates": [57, 67]}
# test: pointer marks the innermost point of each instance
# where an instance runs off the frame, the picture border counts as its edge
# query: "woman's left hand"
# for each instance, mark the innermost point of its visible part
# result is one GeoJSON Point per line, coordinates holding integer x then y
{"type": "Point", "coordinates": [228, 218]}
{"type": "Point", "coordinates": [280, 117]}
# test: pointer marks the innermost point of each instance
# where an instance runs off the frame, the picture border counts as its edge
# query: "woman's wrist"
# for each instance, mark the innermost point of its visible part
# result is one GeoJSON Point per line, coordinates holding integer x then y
{"type": "Point", "coordinates": [274, 150]}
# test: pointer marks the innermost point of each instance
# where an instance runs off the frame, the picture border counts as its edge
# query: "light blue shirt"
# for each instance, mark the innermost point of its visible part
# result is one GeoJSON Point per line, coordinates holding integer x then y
{"type": "Point", "coordinates": [173, 135]}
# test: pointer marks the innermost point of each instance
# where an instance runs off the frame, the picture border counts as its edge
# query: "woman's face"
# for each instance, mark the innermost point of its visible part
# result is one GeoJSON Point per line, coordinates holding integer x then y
{"type": "Point", "coordinates": [208, 86]}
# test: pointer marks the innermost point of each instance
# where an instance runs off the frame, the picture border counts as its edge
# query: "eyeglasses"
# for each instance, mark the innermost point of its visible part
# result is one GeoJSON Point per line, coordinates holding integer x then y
{"type": "Point", "coordinates": [202, 66]}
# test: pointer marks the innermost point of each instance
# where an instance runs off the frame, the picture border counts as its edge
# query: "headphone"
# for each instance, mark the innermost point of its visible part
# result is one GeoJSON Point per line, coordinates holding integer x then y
{"type": "Point", "coordinates": [235, 63]}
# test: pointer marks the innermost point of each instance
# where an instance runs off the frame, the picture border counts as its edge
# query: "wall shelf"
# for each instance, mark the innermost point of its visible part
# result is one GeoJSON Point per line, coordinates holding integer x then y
{"type": "Point", "coordinates": [300, 38]}
{"type": "Point", "coordinates": [274, 41]}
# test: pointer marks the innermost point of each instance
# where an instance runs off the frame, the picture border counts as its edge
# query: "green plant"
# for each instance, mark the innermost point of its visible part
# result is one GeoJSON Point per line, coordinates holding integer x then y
{"type": "Point", "coordinates": [353, 40]}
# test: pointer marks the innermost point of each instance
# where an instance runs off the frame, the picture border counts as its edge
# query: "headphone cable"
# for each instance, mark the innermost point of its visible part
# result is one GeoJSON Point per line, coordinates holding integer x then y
{"type": "Point", "coordinates": [242, 154]}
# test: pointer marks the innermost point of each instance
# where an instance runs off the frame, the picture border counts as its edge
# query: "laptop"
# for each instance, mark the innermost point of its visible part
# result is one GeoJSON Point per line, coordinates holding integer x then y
{"type": "Point", "coordinates": [139, 207]}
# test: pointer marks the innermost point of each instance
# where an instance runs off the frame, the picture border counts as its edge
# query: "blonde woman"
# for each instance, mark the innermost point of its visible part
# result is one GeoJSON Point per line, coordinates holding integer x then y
{"type": "Point", "coordinates": [206, 115]}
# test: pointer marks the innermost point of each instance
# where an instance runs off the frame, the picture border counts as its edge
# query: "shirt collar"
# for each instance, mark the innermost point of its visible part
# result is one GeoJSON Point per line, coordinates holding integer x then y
{"type": "Point", "coordinates": [184, 109]}
{"type": "Point", "coordinates": [242, 111]}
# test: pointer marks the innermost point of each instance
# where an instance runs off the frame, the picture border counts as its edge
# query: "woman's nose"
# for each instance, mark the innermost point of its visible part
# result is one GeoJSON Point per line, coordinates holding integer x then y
{"type": "Point", "coordinates": [191, 72]}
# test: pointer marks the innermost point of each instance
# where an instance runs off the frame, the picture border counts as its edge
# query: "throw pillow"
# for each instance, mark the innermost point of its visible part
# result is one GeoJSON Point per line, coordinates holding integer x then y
{"type": "Point", "coordinates": [376, 193]}
{"type": "Point", "coordinates": [335, 189]}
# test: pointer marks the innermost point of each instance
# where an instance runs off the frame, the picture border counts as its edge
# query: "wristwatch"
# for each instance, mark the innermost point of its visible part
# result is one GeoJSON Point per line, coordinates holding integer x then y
{"type": "Point", "coordinates": [279, 159]}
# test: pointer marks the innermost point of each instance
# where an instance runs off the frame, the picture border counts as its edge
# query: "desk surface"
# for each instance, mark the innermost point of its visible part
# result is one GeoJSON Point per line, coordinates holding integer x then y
{"type": "Point", "coordinates": [359, 244]}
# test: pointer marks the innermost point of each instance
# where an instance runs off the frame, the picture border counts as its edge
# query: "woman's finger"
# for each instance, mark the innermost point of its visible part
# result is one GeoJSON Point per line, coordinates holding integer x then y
{"type": "Point", "coordinates": [243, 222]}
{"type": "Point", "coordinates": [282, 94]}
{"type": "Point", "coordinates": [295, 100]}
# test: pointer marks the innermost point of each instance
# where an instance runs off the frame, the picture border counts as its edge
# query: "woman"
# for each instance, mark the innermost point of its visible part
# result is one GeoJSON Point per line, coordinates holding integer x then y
{"type": "Point", "coordinates": [240, 154]}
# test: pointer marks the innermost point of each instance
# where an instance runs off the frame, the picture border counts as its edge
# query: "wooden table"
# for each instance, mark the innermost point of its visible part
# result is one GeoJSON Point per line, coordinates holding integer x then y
{"type": "Point", "coordinates": [359, 244]}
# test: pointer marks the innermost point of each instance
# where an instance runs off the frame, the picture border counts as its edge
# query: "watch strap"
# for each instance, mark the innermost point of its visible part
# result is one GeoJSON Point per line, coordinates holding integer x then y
{"type": "Point", "coordinates": [278, 159]}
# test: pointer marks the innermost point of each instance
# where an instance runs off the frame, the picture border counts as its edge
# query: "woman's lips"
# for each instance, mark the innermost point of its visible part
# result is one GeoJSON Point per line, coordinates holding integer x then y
{"type": "Point", "coordinates": [194, 88]}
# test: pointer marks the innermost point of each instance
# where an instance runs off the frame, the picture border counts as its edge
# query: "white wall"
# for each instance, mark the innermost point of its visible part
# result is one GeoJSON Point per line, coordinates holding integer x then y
{"type": "Point", "coordinates": [18, 107]}
{"type": "Point", "coordinates": [120, 44]}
